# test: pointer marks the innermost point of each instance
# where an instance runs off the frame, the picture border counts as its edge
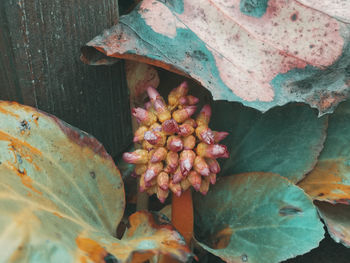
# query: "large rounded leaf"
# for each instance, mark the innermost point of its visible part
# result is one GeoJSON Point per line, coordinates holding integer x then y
{"type": "Point", "coordinates": [285, 140]}
{"type": "Point", "coordinates": [337, 219]}
{"type": "Point", "coordinates": [261, 53]}
{"type": "Point", "coordinates": [330, 180]}
{"type": "Point", "coordinates": [62, 197]}
{"type": "Point", "coordinates": [256, 218]}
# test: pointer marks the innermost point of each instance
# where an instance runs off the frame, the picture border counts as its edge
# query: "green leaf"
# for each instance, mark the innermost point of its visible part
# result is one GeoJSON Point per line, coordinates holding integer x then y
{"type": "Point", "coordinates": [256, 218]}
{"type": "Point", "coordinates": [330, 180]}
{"type": "Point", "coordinates": [62, 197]}
{"type": "Point", "coordinates": [285, 140]}
{"type": "Point", "coordinates": [337, 220]}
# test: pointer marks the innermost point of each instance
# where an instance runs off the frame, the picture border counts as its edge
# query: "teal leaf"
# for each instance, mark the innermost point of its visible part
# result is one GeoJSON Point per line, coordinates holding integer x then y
{"type": "Point", "coordinates": [285, 140]}
{"type": "Point", "coordinates": [330, 179]}
{"type": "Point", "coordinates": [258, 52]}
{"type": "Point", "coordinates": [256, 218]}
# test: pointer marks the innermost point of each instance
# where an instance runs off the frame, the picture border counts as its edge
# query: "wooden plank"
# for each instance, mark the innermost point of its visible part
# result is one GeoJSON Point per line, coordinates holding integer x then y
{"type": "Point", "coordinates": [40, 65]}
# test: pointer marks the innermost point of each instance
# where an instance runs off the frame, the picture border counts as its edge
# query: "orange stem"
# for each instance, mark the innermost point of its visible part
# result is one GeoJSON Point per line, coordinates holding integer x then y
{"type": "Point", "coordinates": [182, 215]}
{"type": "Point", "coordinates": [182, 220]}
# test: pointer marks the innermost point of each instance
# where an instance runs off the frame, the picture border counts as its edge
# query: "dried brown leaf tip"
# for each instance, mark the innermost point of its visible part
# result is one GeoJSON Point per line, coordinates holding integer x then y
{"type": "Point", "coordinates": [178, 151]}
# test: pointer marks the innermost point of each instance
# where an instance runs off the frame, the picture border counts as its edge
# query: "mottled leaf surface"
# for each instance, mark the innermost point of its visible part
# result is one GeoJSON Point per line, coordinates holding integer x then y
{"type": "Point", "coordinates": [62, 197]}
{"type": "Point", "coordinates": [330, 180]}
{"type": "Point", "coordinates": [261, 53]}
{"type": "Point", "coordinates": [285, 140]}
{"type": "Point", "coordinates": [337, 220]}
{"type": "Point", "coordinates": [256, 218]}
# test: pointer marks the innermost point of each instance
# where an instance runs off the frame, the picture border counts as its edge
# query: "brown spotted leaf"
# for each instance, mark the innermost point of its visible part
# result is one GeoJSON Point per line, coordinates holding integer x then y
{"type": "Point", "coordinates": [330, 179]}
{"type": "Point", "coordinates": [261, 53]}
{"type": "Point", "coordinates": [337, 220]}
{"type": "Point", "coordinates": [62, 197]}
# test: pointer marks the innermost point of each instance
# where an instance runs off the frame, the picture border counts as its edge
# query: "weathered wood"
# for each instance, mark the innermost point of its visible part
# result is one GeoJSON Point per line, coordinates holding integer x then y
{"type": "Point", "coordinates": [40, 65]}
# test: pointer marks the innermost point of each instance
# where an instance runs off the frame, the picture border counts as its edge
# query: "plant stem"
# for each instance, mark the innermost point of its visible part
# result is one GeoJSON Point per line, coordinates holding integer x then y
{"type": "Point", "coordinates": [182, 220]}
{"type": "Point", "coordinates": [182, 215]}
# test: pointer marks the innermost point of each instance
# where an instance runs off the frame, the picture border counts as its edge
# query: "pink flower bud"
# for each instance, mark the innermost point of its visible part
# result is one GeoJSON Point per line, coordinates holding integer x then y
{"type": "Point", "coordinates": [212, 151]}
{"type": "Point", "coordinates": [212, 178]}
{"type": "Point", "coordinates": [175, 95]}
{"type": "Point", "coordinates": [189, 142]}
{"type": "Point", "coordinates": [163, 180]}
{"type": "Point", "coordinates": [186, 161]}
{"type": "Point", "coordinates": [213, 165]}
{"type": "Point", "coordinates": [205, 134]}
{"type": "Point", "coordinates": [195, 179]}
{"type": "Point", "coordinates": [136, 157]}
{"type": "Point", "coordinates": [191, 122]}
{"type": "Point", "coordinates": [203, 117]}
{"type": "Point", "coordinates": [143, 116]}
{"type": "Point", "coordinates": [153, 94]}
{"type": "Point", "coordinates": [175, 188]}
{"type": "Point", "coordinates": [170, 126]}
{"type": "Point", "coordinates": [200, 166]}
{"type": "Point", "coordinates": [204, 186]}
{"type": "Point", "coordinates": [162, 194]}
{"type": "Point", "coordinates": [159, 155]}
{"type": "Point", "coordinates": [175, 143]}
{"type": "Point", "coordinates": [152, 171]}
{"type": "Point", "coordinates": [219, 136]}
{"type": "Point", "coordinates": [154, 138]}
{"type": "Point", "coordinates": [185, 130]}
{"type": "Point", "coordinates": [172, 160]}
{"type": "Point", "coordinates": [139, 134]}
{"type": "Point", "coordinates": [183, 114]}
{"type": "Point", "coordinates": [177, 176]}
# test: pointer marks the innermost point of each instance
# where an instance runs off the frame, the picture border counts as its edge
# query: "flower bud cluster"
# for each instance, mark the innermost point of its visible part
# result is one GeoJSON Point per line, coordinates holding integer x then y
{"type": "Point", "coordinates": [177, 151]}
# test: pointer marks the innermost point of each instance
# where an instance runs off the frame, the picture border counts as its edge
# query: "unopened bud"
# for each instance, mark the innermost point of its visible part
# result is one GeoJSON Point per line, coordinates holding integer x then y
{"type": "Point", "coordinates": [214, 166]}
{"type": "Point", "coordinates": [200, 166]}
{"type": "Point", "coordinates": [175, 95]}
{"type": "Point", "coordinates": [186, 161]}
{"type": "Point", "coordinates": [140, 168]}
{"type": "Point", "coordinates": [163, 180]}
{"type": "Point", "coordinates": [162, 111]}
{"type": "Point", "coordinates": [144, 117]}
{"type": "Point", "coordinates": [162, 194]}
{"type": "Point", "coordinates": [147, 146]}
{"type": "Point", "coordinates": [136, 157]}
{"type": "Point", "coordinates": [205, 134]}
{"type": "Point", "coordinates": [153, 94]}
{"type": "Point", "coordinates": [139, 133]}
{"type": "Point", "coordinates": [155, 138]}
{"type": "Point", "coordinates": [175, 188]}
{"type": "Point", "coordinates": [185, 130]}
{"type": "Point", "coordinates": [185, 184]}
{"type": "Point", "coordinates": [177, 176]}
{"type": "Point", "coordinates": [175, 143]}
{"type": "Point", "coordinates": [204, 115]}
{"type": "Point", "coordinates": [183, 114]}
{"type": "Point", "coordinates": [204, 185]}
{"type": "Point", "coordinates": [212, 178]}
{"type": "Point", "coordinates": [148, 105]}
{"type": "Point", "coordinates": [191, 122]}
{"type": "Point", "coordinates": [189, 142]}
{"type": "Point", "coordinates": [158, 155]}
{"type": "Point", "coordinates": [188, 100]}
{"type": "Point", "coordinates": [152, 171]}
{"type": "Point", "coordinates": [172, 161]}
{"type": "Point", "coordinates": [213, 151]}
{"type": "Point", "coordinates": [219, 136]}
{"type": "Point", "coordinates": [170, 126]}
{"type": "Point", "coordinates": [155, 127]}
{"type": "Point", "coordinates": [195, 179]}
